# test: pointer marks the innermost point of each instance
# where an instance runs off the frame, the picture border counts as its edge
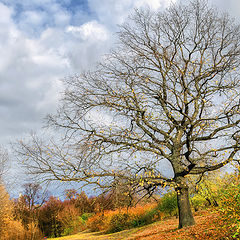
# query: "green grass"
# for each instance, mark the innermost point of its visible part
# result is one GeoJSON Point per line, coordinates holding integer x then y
{"type": "Point", "coordinates": [100, 235]}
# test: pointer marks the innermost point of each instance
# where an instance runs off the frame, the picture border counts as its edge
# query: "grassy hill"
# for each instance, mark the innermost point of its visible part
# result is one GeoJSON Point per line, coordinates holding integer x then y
{"type": "Point", "coordinates": [208, 226]}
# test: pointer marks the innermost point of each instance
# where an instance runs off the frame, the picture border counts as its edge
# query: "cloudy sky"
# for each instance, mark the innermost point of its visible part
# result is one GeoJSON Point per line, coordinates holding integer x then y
{"type": "Point", "coordinates": [43, 41]}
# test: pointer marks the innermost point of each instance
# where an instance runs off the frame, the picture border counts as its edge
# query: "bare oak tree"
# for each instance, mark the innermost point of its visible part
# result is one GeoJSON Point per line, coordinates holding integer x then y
{"type": "Point", "coordinates": [168, 93]}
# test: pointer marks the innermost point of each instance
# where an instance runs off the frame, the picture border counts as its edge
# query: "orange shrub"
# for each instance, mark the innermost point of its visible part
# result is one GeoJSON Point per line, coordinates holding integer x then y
{"type": "Point", "coordinates": [123, 218]}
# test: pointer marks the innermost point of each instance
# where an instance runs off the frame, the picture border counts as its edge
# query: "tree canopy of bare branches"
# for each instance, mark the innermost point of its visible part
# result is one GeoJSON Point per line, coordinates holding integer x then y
{"type": "Point", "coordinates": [168, 93]}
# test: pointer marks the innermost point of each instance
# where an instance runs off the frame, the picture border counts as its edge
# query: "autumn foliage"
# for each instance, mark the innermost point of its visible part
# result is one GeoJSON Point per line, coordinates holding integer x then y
{"type": "Point", "coordinates": [122, 218]}
{"type": "Point", "coordinates": [12, 227]}
{"type": "Point", "coordinates": [219, 195]}
{"type": "Point", "coordinates": [229, 201]}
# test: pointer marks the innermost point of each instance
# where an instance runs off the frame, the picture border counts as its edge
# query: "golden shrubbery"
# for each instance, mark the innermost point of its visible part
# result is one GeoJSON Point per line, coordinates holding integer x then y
{"type": "Point", "coordinates": [11, 229]}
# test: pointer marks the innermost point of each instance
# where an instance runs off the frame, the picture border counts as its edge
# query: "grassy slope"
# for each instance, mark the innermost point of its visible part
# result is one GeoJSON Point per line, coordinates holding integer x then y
{"type": "Point", "coordinates": [208, 226]}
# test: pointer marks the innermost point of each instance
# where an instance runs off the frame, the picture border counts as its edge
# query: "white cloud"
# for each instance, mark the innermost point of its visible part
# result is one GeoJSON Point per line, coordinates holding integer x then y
{"type": "Point", "coordinates": [153, 4]}
{"type": "Point", "coordinates": [29, 72]}
{"type": "Point", "coordinates": [113, 12]}
{"type": "Point", "coordinates": [231, 6]}
{"type": "Point", "coordinates": [33, 17]}
{"type": "Point", "coordinates": [5, 14]}
{"type": "Point", "coordinates": [41, 46]}
{"type": "Point", "coordinates": [89, 31]}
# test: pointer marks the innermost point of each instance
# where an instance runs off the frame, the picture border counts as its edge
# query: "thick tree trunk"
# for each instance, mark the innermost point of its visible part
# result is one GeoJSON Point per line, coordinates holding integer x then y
{"type": "Point", "coordinates": [184, 208]}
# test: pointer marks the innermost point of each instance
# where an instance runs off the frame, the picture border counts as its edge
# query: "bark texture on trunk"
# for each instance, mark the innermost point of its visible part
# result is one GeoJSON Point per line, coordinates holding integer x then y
{"type": "Point", "coordinates": [184, 208]}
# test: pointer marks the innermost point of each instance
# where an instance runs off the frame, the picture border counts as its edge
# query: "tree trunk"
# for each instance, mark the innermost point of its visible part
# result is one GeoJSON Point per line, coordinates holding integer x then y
{"type": "Point", "coordinates": [184, 208]}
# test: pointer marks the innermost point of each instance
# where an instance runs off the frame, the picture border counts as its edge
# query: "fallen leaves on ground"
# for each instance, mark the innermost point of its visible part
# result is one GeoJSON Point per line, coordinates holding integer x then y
{"type": "Point", "coordinates": [208, 226]}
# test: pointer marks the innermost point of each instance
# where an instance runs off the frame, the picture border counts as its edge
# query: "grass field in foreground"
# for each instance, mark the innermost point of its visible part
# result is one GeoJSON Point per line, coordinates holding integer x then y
{"type": "Point", "coordinates": [208, 226]}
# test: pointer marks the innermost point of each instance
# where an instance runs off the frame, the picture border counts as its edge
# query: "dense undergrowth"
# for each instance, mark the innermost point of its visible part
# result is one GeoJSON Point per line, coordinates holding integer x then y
{"type": "Point", "coordinates": [110, 213]}
{"type": "Point", "coordinates": [126, 218]}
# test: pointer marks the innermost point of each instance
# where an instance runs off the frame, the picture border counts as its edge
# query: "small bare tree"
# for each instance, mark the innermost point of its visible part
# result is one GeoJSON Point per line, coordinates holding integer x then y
{"type": "Point", "coordinates": [34, 196]}
{"type": "Point", "coordinates": [168, 93]}
{"type": "Point", "coordinates": [4, 161]}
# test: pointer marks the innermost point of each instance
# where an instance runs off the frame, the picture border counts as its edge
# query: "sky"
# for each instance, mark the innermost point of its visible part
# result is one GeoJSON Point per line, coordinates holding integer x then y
{"type": "Point", "coordinates": [44, 41]}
